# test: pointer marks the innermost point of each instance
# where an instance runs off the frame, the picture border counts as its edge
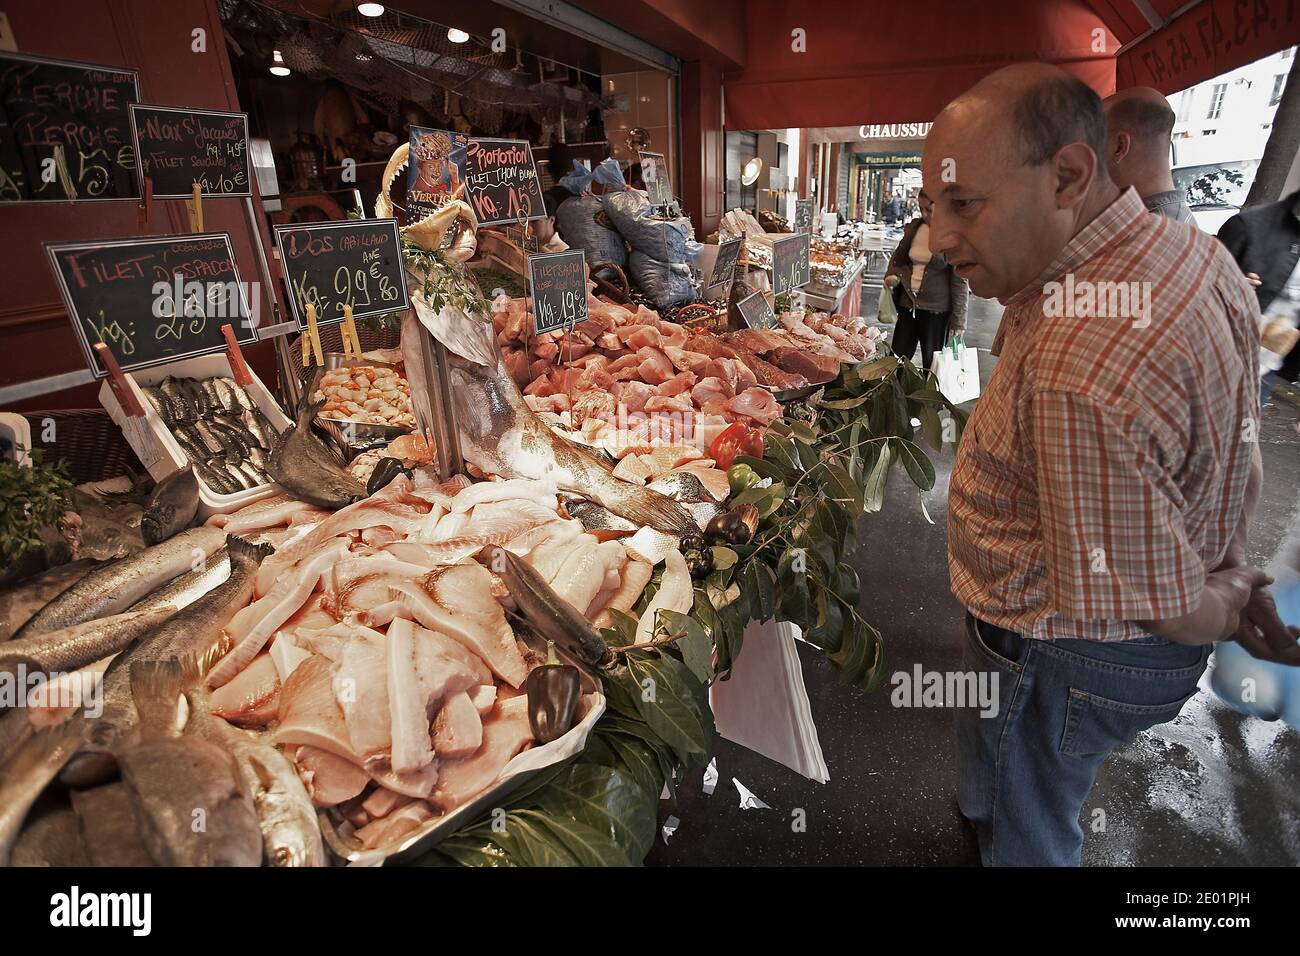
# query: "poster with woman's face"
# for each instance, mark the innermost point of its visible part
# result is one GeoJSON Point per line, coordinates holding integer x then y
{"type": "Point", "coordinates": [435, 170]}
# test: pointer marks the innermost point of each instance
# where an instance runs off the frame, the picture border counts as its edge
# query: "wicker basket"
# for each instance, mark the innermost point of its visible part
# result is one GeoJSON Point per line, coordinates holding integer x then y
{"type": "Point", "coordinates": [87, 439]}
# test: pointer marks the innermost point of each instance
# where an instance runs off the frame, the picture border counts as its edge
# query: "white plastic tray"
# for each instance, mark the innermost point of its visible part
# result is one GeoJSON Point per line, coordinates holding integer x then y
{"type": "Point", "coordinates": [152, 440]}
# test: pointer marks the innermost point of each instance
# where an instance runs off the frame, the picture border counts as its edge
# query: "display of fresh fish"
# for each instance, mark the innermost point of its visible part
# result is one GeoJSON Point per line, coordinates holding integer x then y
{"type": "Point", "coordinates": [115, 586]}
{"type": "Point", "coordinates": [290, 834]}
{"type": "Point", "coordinates": [81, 644]}
{"type": "Point", "coordinates": [195, 630]}
{"type": "Point", "coordinates": [171, 507]}
{"type": "Point", "coordinates": [501, 435]}
{"type": "Point", "coordinates": [554, 618]}
{"type": "Point", "coordinates": [191, 805]}
{"type": "Point", "coordinates": [25, 774]}
{"type": "Point", "coordinates": [305, 467]}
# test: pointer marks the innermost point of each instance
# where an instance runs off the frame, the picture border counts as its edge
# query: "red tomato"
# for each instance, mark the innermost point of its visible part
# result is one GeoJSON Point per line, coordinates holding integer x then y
{"type": "Point", "coordinates": [736, 439]}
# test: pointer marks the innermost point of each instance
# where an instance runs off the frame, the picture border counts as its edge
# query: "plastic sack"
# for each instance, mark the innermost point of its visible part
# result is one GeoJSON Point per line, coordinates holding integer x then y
{"type": "Point", "coordinates": [575, 220]}
{"type": "Point", "coordinates": [668, 284]}
{"type": "Point", "coordinates": [576, 180]}
{"type": "Point", "coordinates": [888, 311]}
{"type": "Point", "coordinates": [608, 174]}
{"type": "Point", "coordinates": [665, 240]}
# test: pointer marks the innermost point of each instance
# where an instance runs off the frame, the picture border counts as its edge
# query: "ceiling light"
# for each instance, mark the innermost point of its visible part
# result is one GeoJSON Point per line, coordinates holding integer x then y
{"type": "Point", "coordinates": [277, 64]}
{"type": "Point", "coordinates": [457, 36]}
{"type": "Point", "coordinates": [749, 175]}
{"type": "Point", "coordinates": [370, 9]}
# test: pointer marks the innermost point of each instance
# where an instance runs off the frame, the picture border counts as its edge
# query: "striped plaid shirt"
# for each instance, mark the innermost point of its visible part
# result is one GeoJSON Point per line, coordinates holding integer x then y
{"type": "Point", "coordinates": [1104, 470]}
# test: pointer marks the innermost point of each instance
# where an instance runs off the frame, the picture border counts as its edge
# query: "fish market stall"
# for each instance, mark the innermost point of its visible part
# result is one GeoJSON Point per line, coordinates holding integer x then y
{"type": "Point", "coordinates": [412, 615]}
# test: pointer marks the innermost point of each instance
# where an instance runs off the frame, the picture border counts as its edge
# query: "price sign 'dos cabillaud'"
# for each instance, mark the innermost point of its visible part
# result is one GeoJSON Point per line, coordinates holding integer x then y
{"type": "Point", "coordinates": [559, 289]}
{"type": "Point", "coordinates": [65, 132]}
{"type": "Point", "coordinates": [151, 300]}
{"type": "Point", "coordinates": [357, 262]}
{"type": "Point", "coordinates": [176, 148]}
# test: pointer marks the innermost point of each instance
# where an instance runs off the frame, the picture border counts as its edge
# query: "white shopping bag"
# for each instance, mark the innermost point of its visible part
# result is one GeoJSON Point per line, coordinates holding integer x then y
{"type": "Point", "coordinates": [958, 370]}
{"type": "Point", "coordinates": [764, 705]}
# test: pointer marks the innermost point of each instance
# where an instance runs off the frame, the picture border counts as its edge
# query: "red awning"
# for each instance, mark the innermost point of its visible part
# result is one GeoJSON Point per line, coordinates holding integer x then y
{"type": "Point", "coordinates": [897, 64]}
{"type": "Point", "coordinates": [1172, 51]}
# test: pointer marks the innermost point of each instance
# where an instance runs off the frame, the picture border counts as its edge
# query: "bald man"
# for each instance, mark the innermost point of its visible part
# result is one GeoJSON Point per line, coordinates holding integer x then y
{"type": "Point", "coordinates": [1139, 122]}
{"type": "Point", "coordinates": [1100, 497]}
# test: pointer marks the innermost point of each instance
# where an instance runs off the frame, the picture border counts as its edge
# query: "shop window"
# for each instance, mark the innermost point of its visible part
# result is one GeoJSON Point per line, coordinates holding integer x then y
{"type": "Point", "coordinates": [1216, 100]}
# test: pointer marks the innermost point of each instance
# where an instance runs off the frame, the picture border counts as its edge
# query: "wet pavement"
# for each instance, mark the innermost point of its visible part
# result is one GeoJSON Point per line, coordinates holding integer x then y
{"type": "Point", "coordinates": [1213, 787]}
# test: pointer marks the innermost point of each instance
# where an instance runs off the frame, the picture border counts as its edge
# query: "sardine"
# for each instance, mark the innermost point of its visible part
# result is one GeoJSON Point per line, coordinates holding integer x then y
{"type": "Point", "coordinates": [191, 805]}
{"type": "Point", "coordinates": [554, 618]}
{"type": "Point", "coordinates": [305, 467]}
{"type": "Point", "coordinates": [290, 833]}
{"type": "Point", "coordinates": [115, 586]}
{"type": "Point", "coordinates": [75, 647]}
{"type": "Point", "coordinates": [502, 435]}
{"type": "Point", "coordinates": [32, 766]}
{"type": "Point", "coordinates": [195, 630]}
{"type": "Point", "coordinates": [182, 409]}
{"type": "Point", "coordinates": [171, 507]}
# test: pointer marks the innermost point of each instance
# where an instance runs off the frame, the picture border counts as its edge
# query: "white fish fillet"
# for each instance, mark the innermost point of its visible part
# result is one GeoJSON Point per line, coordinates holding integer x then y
{"type": "Point", "coordinates": [253, 626]}
{"type": "Point", "coordinates": [675, 594]}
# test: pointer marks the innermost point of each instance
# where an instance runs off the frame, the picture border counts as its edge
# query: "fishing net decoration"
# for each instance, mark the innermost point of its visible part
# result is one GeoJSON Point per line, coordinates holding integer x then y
{"type": "Point", "coordinates": [398, 57]}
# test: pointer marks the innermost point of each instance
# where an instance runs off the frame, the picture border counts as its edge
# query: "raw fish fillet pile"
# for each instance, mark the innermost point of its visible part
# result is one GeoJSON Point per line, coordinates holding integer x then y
{"type": "Point", "coordinates": [377, 648]}
{"type": "Point", "coordinates": [622, 364]}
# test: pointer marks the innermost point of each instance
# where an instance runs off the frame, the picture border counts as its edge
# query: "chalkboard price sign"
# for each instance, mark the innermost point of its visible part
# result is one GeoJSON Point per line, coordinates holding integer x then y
{"type": "Point", "coordinates": [803, 210]}
{"type": "Point", "coordinates": [559, 289]}
{"type": "Point", "coordinates": [724, 267]}
{"type": "Point", "coordinates": [654, 171]}
{"type": "Point", "coordinates": [65, 132]}
{"type": "Point", "coordinates": [179, 147]}
{"type": "Point", "coordinates": [501, 180]}
{"type": "Point", "coordinates": [757, 311]}
{"type": "Point", "coordinates": [790, 264]}
{"type": "Point", "coordinates": [333, 264]}
{"type": "Point", "coordinates": [151, 300]}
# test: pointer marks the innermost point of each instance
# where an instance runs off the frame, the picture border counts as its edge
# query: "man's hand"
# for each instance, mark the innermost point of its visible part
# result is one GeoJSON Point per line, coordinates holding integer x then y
{"type": "Point", "coordinates": [1262, 633]}
{"type": "Point", "coordinates": [1234, 587]}
{"type": "Point", "coordinates": [1254, 279]}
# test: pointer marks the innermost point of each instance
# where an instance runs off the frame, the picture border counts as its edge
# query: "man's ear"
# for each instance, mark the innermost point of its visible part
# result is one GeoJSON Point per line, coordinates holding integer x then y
{"type": "Point", "coordinates": [1120, 145]}
{"type": "Point", "coordinates": [1075, 168]}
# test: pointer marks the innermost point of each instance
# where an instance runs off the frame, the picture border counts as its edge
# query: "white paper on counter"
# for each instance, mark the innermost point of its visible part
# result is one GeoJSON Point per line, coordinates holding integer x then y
{"type": "Point", "coordinates": [764, 705]}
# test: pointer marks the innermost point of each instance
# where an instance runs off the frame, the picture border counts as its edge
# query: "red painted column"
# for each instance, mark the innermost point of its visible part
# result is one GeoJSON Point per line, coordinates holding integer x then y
{"type": "Point", "coordinates": [703, 160]}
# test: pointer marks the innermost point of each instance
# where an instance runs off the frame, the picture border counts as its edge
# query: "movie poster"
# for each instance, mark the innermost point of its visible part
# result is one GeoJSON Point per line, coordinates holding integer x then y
{"type": "Point", "coordinates": [435, 171]}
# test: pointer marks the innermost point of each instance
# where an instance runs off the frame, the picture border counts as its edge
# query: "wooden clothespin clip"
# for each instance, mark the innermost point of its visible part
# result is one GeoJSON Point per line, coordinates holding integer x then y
{"type": "Point", "coordinates": [351, 342]}
{"type": "Point", "coordinates": [117, 382]}
{"type": "Point", "coordinates": [312, 336]}
{"type": "Point", "coordinates": [194, 206]}
{"type": "Point", "coordinates": [238, 367]}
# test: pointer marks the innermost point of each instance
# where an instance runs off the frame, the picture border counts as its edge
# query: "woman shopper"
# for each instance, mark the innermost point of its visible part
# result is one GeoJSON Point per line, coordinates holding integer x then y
{"type": "Point", "coordinates": [929, 296]}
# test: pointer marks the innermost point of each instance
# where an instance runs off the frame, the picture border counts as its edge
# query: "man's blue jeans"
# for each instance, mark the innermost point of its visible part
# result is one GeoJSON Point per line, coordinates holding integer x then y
{"type": "Point", "coordinates": [1063, 706]}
